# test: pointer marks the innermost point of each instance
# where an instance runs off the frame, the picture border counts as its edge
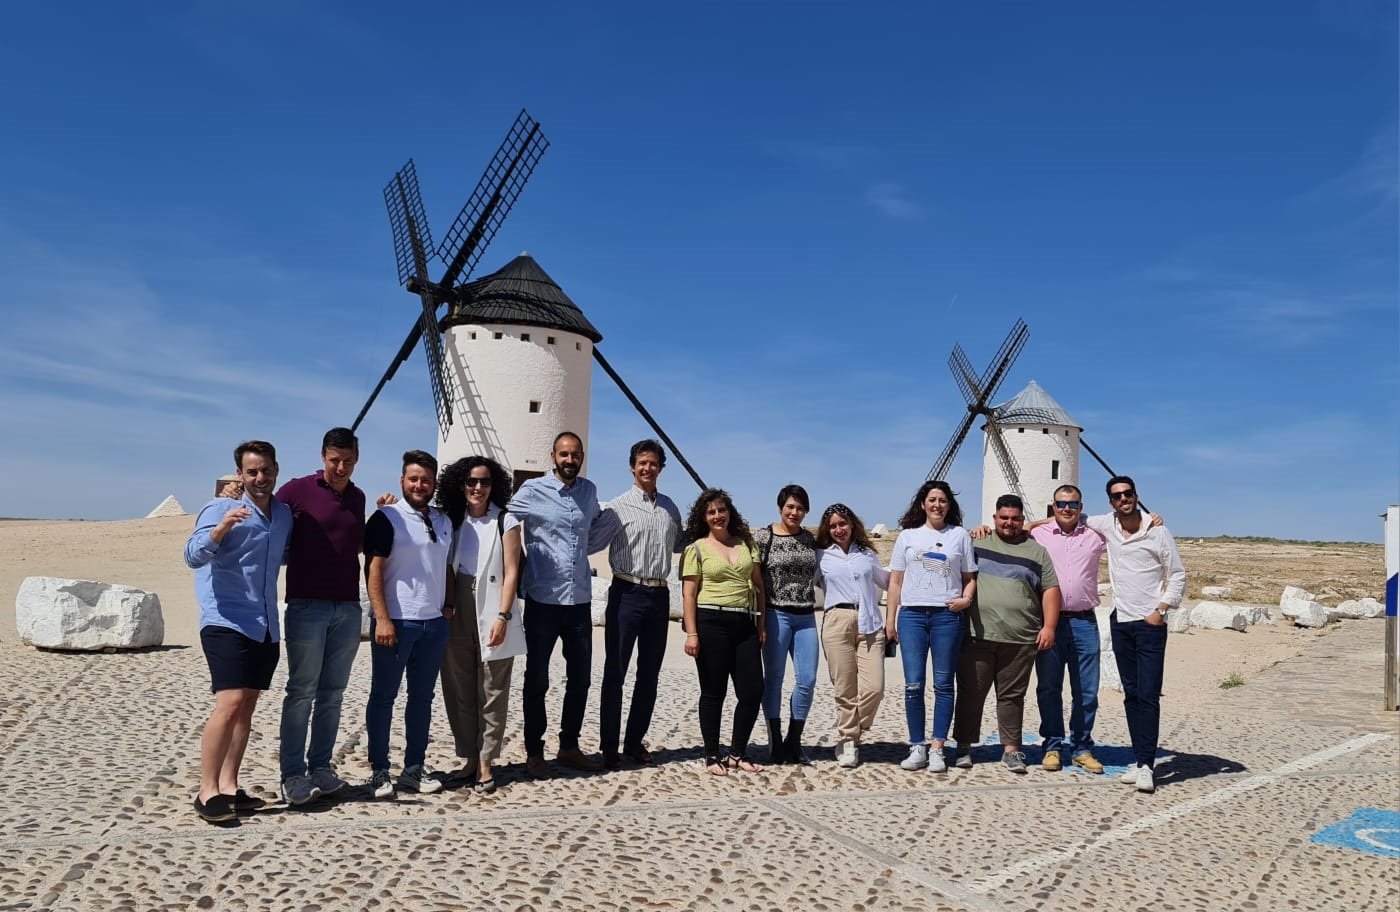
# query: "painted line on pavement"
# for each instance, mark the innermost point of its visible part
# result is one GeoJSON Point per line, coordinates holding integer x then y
{"type": "Point", "coordinates": [1060, 856]}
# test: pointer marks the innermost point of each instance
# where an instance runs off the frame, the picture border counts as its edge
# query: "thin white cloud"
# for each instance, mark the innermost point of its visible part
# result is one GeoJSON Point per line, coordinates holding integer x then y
{"type": "Point", "coordinates": [893, 200]}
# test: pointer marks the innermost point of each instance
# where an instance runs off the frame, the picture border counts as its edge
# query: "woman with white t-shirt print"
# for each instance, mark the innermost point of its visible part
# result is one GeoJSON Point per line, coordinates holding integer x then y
{"type": "Point", "coordinates": [487, 631]}
{"type": "Point", "coordinates": [933, 575]}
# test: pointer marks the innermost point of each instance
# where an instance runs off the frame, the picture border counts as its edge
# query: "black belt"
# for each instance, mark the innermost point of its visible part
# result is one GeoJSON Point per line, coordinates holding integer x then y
{"type": "Point", "coordinates": [842, 605]}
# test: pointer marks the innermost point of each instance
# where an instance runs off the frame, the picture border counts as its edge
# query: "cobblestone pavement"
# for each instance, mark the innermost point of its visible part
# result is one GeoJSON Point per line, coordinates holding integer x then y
{"type": "Point", "coordinates": [98, 760]}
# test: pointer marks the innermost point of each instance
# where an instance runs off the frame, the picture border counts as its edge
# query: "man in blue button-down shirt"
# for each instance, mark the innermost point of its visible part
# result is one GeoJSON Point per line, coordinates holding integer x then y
{"type": "Point", "coordinates": [236, 551]}
{"type": "Point", "coordinates": [559, 516]}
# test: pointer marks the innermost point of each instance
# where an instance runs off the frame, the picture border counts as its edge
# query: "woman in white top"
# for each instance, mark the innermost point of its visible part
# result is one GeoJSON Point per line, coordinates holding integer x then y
{"type": "Point", "coordinates": [933, 575]}
{"type": "Point", "coordinates": [853, 628]}
{"type": "Point", "coordinates": [487, 631]}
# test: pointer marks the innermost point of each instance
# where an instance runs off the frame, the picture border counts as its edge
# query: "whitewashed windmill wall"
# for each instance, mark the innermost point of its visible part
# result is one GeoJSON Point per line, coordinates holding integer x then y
{"type": "Point", "coordinates": [1044, 440]}
{"type": "Point", "coordinates": [522, 354]}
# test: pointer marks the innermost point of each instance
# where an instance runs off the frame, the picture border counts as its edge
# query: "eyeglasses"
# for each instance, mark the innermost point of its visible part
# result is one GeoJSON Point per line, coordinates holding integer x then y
{"type": "Point", "coordinates": [477, 483]}
{"type": "Point", "coordinates": [1067, 505]}
{"type": "Point", "coordinates": [432, 533]}
{"type": "Point", "coordinates": [1121, 495]}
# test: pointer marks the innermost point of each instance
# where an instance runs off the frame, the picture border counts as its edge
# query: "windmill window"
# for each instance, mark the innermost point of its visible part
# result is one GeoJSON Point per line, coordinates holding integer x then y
{"type": "Point", "coordinates": [535, 409]}
{"type": "Point", "coordinates": [549, 339]}
{"type": "Point", "coordinates": [524, 337]}
{"type": "Point", "coordinates": [1054, 469]}
{"type": "Point", "coordinates": [578, 346]}
{"type": "Point", "coordinates": [1020, 430]}
{"type": "Point", "coordinates": [1044, 430]}
{"type": "Point", "coordinates": [496, 335]}
{"type": "Point", "coordinates": [471, 335]}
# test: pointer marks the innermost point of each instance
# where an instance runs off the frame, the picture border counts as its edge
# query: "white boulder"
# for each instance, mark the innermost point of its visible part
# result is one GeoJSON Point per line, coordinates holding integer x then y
{"type": "Point", "coordinates": [1257, 614]}
{"type": "Point", "coordinates": [1310, 615]}
{"type": "Point", "coordinates": [599, 606]}
{"type": "Point", "coordinates": [1215, 592]}
{"type": "Point", "coordinates": [1218, 616]}
{"type": "Point", "coordinates": [1181, 619]}
{"type": "Point", "coordinates": [880, 530]}
{"type": "Point", "coordinates": [677, 606]}
{"type": "Point", "coordinates": [85, 615]}
{"type": "Point", "coordinates": [1358, 608]}
{"type": "Point", "coordinates": [1291, 593]}
{"type": "Point", "coordinates": [1105, 589]}
{"type": "Point", "coordinates": [366, 611]}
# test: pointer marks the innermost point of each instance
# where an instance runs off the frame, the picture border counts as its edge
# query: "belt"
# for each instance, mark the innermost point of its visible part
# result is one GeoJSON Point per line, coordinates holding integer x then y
{"type": "Point", "coordinates": [726, 609]}
{"type": "Point", "coordinates": [842, 605]}
{"type": "Point", "coordinates": [1085, 613]}
{"type": "Point", "coordinates": [639, 580]}
{"type": "Point", "coordinates": [922, 607]}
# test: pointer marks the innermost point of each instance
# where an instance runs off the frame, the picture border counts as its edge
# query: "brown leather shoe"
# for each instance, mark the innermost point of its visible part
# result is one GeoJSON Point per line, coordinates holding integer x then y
{"type": "Point", "coordinates": [639, 755]}
{"type": "Point", "coordinates": [537, 768]}
{"type": "Point", "coordinates": [577, 759]}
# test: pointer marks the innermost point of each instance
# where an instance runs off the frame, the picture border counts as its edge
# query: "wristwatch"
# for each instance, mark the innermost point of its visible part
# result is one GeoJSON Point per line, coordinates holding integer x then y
{"type": "Point", "coordinates": [504, 615]}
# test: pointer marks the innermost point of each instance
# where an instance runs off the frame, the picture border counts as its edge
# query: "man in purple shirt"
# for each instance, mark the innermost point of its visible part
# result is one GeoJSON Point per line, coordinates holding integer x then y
{"type": "Point", "coordinates": [1075, 550]}
{"type": "Point", "coordinates": [323, 614]}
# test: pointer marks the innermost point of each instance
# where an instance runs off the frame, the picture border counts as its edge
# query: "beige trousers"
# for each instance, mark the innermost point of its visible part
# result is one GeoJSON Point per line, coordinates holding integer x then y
{"type": "Point", "coordinates": [857, 664]}
{"type": "Point", "coordinates": [476, 694]}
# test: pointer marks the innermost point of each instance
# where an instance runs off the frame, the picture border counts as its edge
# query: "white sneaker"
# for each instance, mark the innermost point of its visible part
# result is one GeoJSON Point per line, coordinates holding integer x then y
{"type": "Point", "coordinates": [381, 784]}
{"type": "Point", "coordinates": [325, 779]}
{"type": "Point", "coordinates": [1130, 776]}
{"type": "Point", "coordinates": [917, 759]}
{"type": "Point", "coordinates": [420, 779]}
{"type": "Point", "coordinates": [1144, 779]}
{"type": "Point", "coordinates": [936, 763]}
{"type": "Point", "coordinates": [850, 755]}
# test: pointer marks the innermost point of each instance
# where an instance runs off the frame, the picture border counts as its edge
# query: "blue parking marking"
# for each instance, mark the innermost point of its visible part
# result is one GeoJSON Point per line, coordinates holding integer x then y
{"type": "Point", "coordinates": [1366, 830]}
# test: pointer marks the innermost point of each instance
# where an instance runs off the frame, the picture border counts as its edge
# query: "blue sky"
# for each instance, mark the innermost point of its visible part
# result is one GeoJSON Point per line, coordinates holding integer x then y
{"type": "Point", "coordinates": [781, 217]}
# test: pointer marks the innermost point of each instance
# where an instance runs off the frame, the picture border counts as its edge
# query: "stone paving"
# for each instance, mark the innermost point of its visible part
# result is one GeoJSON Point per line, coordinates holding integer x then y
{"type": "Point", "coordinates": [98, 757]}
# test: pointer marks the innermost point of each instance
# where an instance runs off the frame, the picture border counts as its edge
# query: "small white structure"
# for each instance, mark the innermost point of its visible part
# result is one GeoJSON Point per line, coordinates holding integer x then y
{"type": "Point", "coordinates": [1044, 441]}
{"type": "Point", "coordinates": [522, 353]}
{"type": "Point", "coordinates": [86, 615]}
{"type": "Point", "coordinates": [168, 507]}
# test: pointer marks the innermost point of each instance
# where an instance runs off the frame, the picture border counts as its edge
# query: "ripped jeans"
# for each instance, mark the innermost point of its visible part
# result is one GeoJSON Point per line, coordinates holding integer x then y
{"type": "Point", "coordinates": [925, 631]}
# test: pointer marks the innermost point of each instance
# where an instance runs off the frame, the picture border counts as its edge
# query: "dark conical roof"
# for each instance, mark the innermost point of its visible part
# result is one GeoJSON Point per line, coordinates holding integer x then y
{"type": "Point", "coordinates": [522, 293]}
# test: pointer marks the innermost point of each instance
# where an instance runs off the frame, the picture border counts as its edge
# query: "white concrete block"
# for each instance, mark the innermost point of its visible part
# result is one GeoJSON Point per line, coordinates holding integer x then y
{"type": "Point", "coordinates": [85, 615]}
{"type": "Point", "coordinates": [1218, 616]}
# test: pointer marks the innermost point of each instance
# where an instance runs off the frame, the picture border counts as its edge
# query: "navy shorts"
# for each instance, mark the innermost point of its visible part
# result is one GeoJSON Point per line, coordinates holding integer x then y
{"type": "Point", "coordinates": [238, 662]}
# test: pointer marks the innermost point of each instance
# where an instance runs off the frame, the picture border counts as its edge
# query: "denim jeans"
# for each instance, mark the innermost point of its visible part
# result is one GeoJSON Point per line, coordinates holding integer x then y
{"type": "Point", "coordinates": [418, 652]}
{"type": "Point", "coordinates": [637, 616]}
{"type": "Point", "coordinates": [1141, 651]}
{"type": "Point", "coordinates": [322, 638]}
{"type": "Point", "coordinates": [1076, 649]}
{"type": "Point", "coordinates": [546, 624]}
{"type": "Point", "coordinates": [786, 635]}
{"type": "Point", "coordinates": [923, 632]}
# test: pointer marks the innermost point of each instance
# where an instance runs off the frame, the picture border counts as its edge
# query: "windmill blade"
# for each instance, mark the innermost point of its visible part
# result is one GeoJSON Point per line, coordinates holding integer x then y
{"type": "Point", "coordinates": [965, 376]}
{"type": "Point", "coordinates": [637, 403]}
{"type": "Point", "coordinates": [945, 459]}
{"type": "Point", "coordinates": [495, 193]}
{"type": "Point", "coordinates": [1009, 468]}
{"type": "Point", "coordinates": [443, 381]}
{"type": "Point", "coordinates": [1108, 468]}
{"type": "Point", "coordinates": [405, 350]}
{"type": "Point", "coordinates": [409, 222]}
{"type": "Point", "coordinates": [1001, 364]}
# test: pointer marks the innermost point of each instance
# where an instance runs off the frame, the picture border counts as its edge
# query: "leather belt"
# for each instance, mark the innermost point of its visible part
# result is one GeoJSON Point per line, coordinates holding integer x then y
{"type": "Point", "coordinates": [726, 609]}
{"type": "Point", "coordinates": [842, 605]}
{"type": "Point", "coordinates": [639, 580]}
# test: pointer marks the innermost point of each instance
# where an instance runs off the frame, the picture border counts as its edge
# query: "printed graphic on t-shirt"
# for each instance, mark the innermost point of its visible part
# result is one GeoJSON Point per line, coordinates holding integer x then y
{"type": "Point", "coordinates": [935, 562]}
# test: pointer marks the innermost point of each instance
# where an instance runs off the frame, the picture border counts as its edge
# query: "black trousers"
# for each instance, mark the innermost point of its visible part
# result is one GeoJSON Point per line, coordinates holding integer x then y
{"type": "Point", "coordinates": [729, 649]}
{"type": "Point", "coordinates": [637, 616]}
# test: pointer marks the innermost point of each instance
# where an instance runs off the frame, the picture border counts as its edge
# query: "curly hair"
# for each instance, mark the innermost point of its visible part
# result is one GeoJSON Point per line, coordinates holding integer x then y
{"type": "Point", "coordinates": [452, 483]}
{"type": "Point", "coordinates": [695, 526]}
{"type": "Point", "coordinates": [914, 517]}
{"type": "Point", "coordinates": [859, 537]}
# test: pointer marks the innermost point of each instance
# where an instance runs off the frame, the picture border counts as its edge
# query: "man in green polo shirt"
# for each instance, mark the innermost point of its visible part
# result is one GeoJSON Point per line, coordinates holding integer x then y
{"type": "Point", "coordinates": [1011, 619]}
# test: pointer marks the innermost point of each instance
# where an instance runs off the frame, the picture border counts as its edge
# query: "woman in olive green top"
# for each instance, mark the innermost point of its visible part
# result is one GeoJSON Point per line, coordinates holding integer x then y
{"type": "Point", "coordinates": [722, 591]}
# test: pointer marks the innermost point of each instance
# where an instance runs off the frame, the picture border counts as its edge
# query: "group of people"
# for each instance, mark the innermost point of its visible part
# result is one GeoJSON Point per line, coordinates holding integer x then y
{"type": "Point", "coordinates": [447, 560]}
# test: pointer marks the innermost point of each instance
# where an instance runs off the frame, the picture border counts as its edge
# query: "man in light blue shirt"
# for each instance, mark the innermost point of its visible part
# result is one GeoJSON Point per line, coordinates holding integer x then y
{"type": "Point", "coordinates": [236, 550]}
{"type": "Point", "coordinates": [560, 523]}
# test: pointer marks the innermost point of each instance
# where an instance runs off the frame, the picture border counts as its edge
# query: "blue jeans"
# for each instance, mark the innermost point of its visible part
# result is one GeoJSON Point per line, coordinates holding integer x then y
{"type": "Point", "coordinates": [544, 625]}
{"type": "Point", "coordinates": [789, 635]}
{"type": "Point", "coordinates": [923, 632]}
{"type": "Point", "coordinates": [1141, 651]}
{"type": "Point", "coordinates": [322, 638]}
{"type": "Point", "coordinates": [1077, 649]}
{"type": "Point", "coordinates": [419, 653]}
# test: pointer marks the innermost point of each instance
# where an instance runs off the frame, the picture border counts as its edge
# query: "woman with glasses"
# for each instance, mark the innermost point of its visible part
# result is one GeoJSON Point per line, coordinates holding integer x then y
{"type": "Point", "coordinates": [486, 632]}
{"type": "Point", "coordinates": [933, 576]}
{"type": "Point", "coordinates": [722, 595]}
{"type": "Point", "coordinates": [853, 627]}
{"type": "Point", "coordinates": [788, 556]}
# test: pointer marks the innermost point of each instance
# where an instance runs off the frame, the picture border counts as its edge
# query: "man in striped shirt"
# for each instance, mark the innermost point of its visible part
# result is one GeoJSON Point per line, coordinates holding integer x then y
{"type": "Point", "coordinates": [650, 530]}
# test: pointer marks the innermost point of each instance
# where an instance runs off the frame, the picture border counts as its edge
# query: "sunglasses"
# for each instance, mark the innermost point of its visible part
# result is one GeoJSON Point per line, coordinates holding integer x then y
{"type": "Point", "coordinates": [1121, 495]}
{"type": "Point", "coordinates": [1067, 505]}
{"type": "Point", "coordinates": [477, 483]}
{"type": "Point", "coordinates": [432, 533]}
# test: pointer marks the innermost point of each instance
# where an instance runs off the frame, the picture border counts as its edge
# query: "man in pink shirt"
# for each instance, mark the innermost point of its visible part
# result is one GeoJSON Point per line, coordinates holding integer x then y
{"type": "Point", "coordinates": [1075, 550]}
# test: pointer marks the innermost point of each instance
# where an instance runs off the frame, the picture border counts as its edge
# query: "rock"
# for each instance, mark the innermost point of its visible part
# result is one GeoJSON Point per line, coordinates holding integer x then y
{"type": "Point", "coordinates": [1310, 615]}
{"type": "Point", "coordinates": [1108, 663]}
{"type": "Point", "coordinates": [599, 606]}
{"type": "Point", "coordinates": [1218, 616]}
{"type": "Point", "coordinates": [1105, 589]}
{"type": "Point", "coordinates": [1179, 621]}
{"type": "Point", "coordinates": [1294, 592]}
{"type": "Point", "coordinates": [1215, 592]}
{"type": "Point", "coordinates": [677, 606]}
{"type": "Point", "coordinates": [880, 530]}
{"type": "Point", "coordinates": [1257, 614]}
{"type": "Point", "coordinates": [366, 612]}
{"type": "Point", "coordinates": [87, 616]}
{"type": "Point", "coordinates": [168, 507]}
{"type": "Point", "coordinates": [1358, 608]}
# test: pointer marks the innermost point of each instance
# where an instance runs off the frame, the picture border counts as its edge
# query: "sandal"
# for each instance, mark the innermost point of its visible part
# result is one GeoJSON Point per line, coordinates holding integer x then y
{"type": "Point", "coordinates": [486, 786]}
{"type": "Point", "coordinates": [741, 763]}
{"type": "Point", "coordinates": [716, 766]}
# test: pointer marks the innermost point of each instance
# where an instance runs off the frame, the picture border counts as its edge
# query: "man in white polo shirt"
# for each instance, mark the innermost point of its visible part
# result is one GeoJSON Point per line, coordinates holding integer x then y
{"type": "Point", "coordinates": [1148, 581]}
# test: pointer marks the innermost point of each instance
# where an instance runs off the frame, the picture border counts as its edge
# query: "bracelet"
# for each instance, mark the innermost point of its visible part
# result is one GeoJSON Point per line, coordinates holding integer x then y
{"type": "Point", "coordinates": [692, 636]}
